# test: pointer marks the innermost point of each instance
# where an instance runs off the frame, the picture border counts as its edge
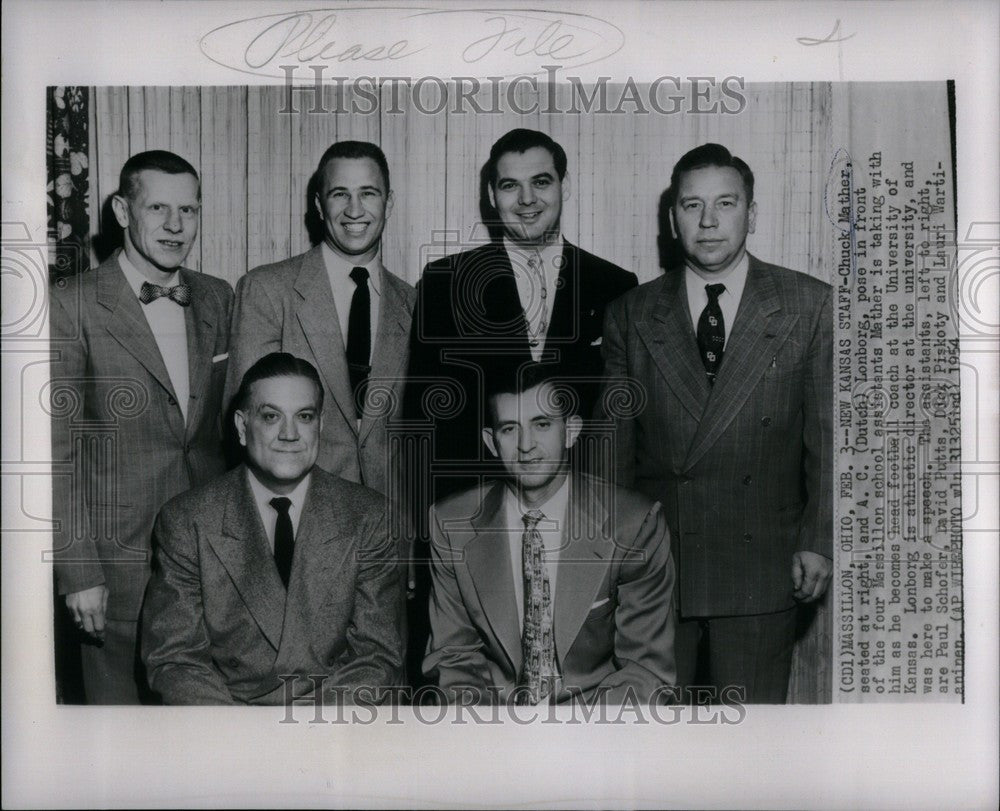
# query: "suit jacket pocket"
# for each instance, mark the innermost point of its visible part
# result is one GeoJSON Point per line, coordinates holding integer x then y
{"type": "Point", "coordinates": [601, 608]}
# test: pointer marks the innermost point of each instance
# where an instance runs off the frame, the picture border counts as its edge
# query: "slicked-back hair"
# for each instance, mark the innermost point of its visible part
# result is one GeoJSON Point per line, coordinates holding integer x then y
{"type": "Point", "coordinates": [520, 141]}
{"type": "Point", "coordinates": [354, 150]}
{"type": "Point", "coordinates": [518, 380]}
{"type": "Point", "coordinates": [276, 364]}
{"type": "Point", "coordinates": [156, 159]}
{"type": "Point", "coordinates": [710, 155]}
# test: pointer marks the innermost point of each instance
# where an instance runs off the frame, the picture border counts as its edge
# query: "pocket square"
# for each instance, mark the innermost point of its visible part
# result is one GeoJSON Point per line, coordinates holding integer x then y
{"type": "Point", "coordinates": [599, 603]}
{"type": "Point", "coordinates": [597, 342]}
{"type": "Point", "coordinates": [223, 356]}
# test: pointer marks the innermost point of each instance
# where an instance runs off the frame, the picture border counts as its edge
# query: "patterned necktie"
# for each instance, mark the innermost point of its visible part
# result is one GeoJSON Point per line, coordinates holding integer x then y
{"type": "Point", "coordinates": [181, 293]}
{"type": "Point", "coordinates": [712, 331]}
{"type": "Point", "coordinates": [537, 644]}
{"type": "Point", "coordinates": [284, 538]}
{"type": "Point", "coordinates": [359, 338]}
{"type": "Point", "coordinates": [537, 335]}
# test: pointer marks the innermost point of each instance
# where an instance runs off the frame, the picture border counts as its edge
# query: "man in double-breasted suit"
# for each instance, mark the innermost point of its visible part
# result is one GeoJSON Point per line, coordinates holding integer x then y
{"type": "Point", "coordinates": [527, 296]}
{"type": "Point", "coordinates": [140, 349]}
{"type": "Point", "coordinates": [276, 581]}
{"type": "Point", "coordinates": [338, 307]}
{"type": "Point", "coordinates": [734, 357]}
{"type": "Point", "coordinates": [548, 586]}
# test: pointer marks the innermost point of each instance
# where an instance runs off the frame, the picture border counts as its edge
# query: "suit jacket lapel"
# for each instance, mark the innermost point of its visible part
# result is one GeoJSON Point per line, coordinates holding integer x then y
{"type": "Point", "coordinates": [243, 549]}
{"type": "Point", "coordinates": [127, 325]}
{"type": "Point", "coordinates": [391, 345]}
{"type": "Point", "coordinates": [320, 323]}
{"type": "Point", "coordinates": [504, 310]}
{"type": "Point", "coordinates": [565, 306]}
{"type": "Point", "coordinates": [200, 322]}
{"type": "Point", "coordinates": [581, 565]}
{"type": "Point", "coordinates": [759, 330]}
{"type": "Point", "coordinates": [670, 340]}
{"type": "Point", "coordinates": [487, 556]}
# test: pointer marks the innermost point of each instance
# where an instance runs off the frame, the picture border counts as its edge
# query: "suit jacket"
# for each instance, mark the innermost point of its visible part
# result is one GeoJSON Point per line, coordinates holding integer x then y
{"type": "Point", "coordinates": [469, 323]}
{"type": "Point", "coordinates": [613, 610]}
{"type": "Point", "coordinates": [744, 468]}
{"type": "Point", "coordinates": [218, 625]}
{"type": "Point", "coordinates": [121, 447]}
{"type": "Point", "coordinates": [288, 307]}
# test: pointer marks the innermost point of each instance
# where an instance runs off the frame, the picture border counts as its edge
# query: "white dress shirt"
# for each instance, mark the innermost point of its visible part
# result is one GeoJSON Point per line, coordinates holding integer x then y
{"type": "Point", "coordinates": [552, 529]}
{"type": "Point", "coordinates": [166, 320]}
{"type": "Point", "coordinates": [735, 279]}
{"type": "Point", "coordinates": [339, 270]}
{"type": "Point", "coordinates": [268, 515]}
{"type": "Point", "coordinates": [531, 284]}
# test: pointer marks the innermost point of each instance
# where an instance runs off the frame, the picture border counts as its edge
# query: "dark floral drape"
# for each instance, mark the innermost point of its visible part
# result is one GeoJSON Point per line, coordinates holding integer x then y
{"type": "Point", "coordinates": [68, 180]}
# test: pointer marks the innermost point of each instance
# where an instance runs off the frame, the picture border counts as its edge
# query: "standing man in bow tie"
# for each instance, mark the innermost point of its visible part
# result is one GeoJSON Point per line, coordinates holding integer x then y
{"type": "Point", "coordinates": [735, 357]}
{"type": "Point", "coordinates": [339, 308]}
{"type": "Point", "coordinates": [140, 348]}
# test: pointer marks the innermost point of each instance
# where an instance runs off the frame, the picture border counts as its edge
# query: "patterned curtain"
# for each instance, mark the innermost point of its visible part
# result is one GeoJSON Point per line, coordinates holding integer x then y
{"type": "Point", "coordinates": [68, 180]}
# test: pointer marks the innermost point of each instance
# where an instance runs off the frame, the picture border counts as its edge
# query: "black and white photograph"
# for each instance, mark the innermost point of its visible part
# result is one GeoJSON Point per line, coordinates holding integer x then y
{"type": "Point", "coordinates": [392, 386]}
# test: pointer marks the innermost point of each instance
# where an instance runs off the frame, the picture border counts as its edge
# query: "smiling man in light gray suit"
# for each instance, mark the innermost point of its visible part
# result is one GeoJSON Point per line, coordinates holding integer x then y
{"type": "Point", "coordinates": [338, 307]}
{"type": "Point", "coordinates": [735, 440]}
{"type": "Point", "coordinates": [277, 580]}
{"type": "Point", "coordinates": [140, 349]}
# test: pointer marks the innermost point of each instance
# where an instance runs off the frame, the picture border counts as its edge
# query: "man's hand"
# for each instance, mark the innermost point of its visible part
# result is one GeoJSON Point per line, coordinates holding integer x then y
{"type": "Point", "coordinates": [88, 608]}
{"type": "Point", "coordinates": [810, 575]}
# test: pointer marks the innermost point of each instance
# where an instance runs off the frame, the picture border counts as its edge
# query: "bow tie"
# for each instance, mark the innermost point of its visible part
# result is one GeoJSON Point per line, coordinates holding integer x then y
{"type": "Point", "coordinates": [180, 293]}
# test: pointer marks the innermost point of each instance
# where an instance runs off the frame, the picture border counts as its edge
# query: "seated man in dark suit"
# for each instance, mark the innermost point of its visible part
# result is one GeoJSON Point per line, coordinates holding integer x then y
{"type": "Point", "coordinates": [548, 586]}
{"type": "Point", "coordinates": [276, 571]}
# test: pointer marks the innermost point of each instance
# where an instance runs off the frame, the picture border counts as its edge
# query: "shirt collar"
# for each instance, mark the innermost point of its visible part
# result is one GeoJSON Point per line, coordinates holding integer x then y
{"type": "Point", "coordinates": [262, 495]}
{"type": "Point", "coordinates": [548, 253]}
{"type": "Point", "coordinates": [135, 278]}
{"type": "Point", "coordinates": [734, 279]}
{"type": "Point", "coordinates": [554, 508]}
{"type": "Point", "coordinates": [340, 268]}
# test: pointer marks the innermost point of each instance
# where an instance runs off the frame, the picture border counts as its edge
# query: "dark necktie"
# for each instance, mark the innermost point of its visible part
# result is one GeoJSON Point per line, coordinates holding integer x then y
{"type": "Point", "coordinates": [181, 293]}
{"type": "Point", "coordinates": [537, 644]}
{"type": "Point", "coordinates": [359, 338]}
{"type": "Point", "coordinates": [712, 331]}
{"type": "Point", "coordinates": [284, 538]}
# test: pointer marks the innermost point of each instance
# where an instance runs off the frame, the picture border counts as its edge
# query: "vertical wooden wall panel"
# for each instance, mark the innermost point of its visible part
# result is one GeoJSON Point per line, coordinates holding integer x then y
{"type": "Point", "coordinates": [136, 119]}
{"type": "Point", "coordinates": [415, 148]}
{"type": "Point", "coordinates": [156, 120]}
{"type": "Point", "coordinates": [268, 176]}
{"type": "Point", "coordinates": [223, 149]}
{"type": "Point", "coordinates": [110, 150]}
{"type": "Point", "coordinates": [312, 131]}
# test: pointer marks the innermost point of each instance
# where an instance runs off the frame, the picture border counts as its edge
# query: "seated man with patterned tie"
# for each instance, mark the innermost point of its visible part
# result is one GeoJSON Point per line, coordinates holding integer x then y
{"type": "Point", "coordinates": [276, 580]}
{"type": "Point", "coordinates": [548, 585]}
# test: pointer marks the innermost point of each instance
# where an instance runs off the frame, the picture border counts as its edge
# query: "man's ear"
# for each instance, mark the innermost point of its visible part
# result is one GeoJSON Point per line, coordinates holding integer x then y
{"type": "Point", "coordinates": [240, 420]}
{"type": "Point", "coordinates": [491, 195]}
{"type": "Point", "coordinates": [119, 205]}
{"type": "Point", "coordinates": [752, 217]}
{"type": "Point", "coordinates": [574, 425]}
{"type": "Point", "coordinates": [390, 198]}
{"type": "Point", "coordinates": [319, 207]}
{"type": "Point", "coordinates": [490, 442]}
{"type": "Point", "coordinates": [673, 224]}
{"type": "Point", "coordinates": [566, 188]}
